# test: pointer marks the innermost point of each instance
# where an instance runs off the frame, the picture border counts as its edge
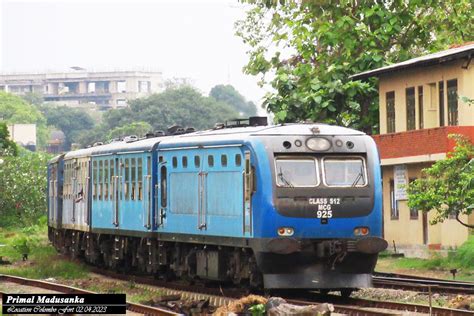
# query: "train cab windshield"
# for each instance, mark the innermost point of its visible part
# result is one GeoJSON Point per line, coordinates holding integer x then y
{"type": "Point", "coordinates": [297, 172]}
{"type": "Point", "coordinates": [344, 172]}
{"type": "Point", "coordinates": [306, 171]}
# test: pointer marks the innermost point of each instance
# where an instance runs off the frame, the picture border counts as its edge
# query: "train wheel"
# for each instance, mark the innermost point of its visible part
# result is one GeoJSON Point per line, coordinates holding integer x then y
{"type": "Point", "coordinates": [346, 292]}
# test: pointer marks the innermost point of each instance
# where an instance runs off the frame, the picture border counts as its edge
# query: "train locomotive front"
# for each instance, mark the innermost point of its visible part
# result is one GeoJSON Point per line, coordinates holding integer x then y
{"type": "Point", "coordinates": [318, 220]}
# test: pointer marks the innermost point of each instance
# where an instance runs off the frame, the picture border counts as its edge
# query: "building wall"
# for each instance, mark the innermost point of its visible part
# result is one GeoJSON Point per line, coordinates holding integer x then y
{"type": "Point", "coordinates": [408, 233]}
{"type": "Point", "coordinates": [419, 148]}
{"type": "Point", "coordinates": [23, 134]}
{"type": "Point", "coordinates": [399, 81]}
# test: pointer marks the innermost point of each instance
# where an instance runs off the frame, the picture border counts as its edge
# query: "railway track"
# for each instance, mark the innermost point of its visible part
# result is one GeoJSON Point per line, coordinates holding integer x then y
{"type": "Point", "coordinates": [218, 296]}
{"type": "Point", "coordinates": [133, 307]}
{"type": "Point", "coordinates": [351, 306]}
{"type": "Point", "coordinates": [421, 284]}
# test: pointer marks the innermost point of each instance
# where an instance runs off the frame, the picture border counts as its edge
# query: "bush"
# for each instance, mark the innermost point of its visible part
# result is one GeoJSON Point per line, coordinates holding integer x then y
{"type": "Point", "coordinates": [23, 181]}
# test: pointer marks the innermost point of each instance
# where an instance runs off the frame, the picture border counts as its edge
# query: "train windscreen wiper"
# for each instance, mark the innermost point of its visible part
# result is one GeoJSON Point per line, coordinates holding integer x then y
{"type": "Point", "coordinates": [358, 178]}
{"type": "Point", "coordinates": [284, 180]}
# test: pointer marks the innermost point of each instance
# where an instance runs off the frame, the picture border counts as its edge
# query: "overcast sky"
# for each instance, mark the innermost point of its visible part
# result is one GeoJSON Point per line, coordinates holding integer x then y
{"type": "Point", "coordinates": [181, 38]}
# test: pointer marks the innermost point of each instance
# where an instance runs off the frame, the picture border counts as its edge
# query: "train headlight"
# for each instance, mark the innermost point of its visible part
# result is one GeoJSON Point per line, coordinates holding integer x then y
{"type": "Point", "coordinates": [361, 231]}
{"type": "Point", "coordinates": [318, 144]}
{"type": "Point", "coordinates": [285, 231]}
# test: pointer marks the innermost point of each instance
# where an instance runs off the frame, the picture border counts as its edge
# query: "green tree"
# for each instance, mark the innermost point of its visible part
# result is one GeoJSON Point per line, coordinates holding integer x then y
{"type": "Point", "coordinates": [447, 187]}
{"type": "Point", "coordinates": [306, 51]}
{"type": "Point", "coordinates": [7, 146]}
{"type": "Point", "coordinates": [15, 110]}
{"type": "Point", "coordinates": [22, 187]}
{"type": "Point", "coordinates": [71, 121]}
{"type": "Point", "coordinates": [229, 95]}
{"type": "Point", "coordinates": [136, 128]}
{"type": "Point", "coordinates": [178, 105]}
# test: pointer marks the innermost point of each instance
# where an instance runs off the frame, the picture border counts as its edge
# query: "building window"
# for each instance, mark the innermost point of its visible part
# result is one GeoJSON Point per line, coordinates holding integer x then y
{"type": "Point", "coordinates": [393, 202]}
{"type": "Point", "coordinates": [390, 102]}
{"type": "Point", "coordinates": [121, 102]}
{"type": "Point", "coordinates": [410, 102]}
{"type": "Point", "coordinates": [413, 211]}
{"type": "Point", "coordinates": [184, 161]}
{"type": "Point", "coordinates": [420, 107]}
{"type": "Point", "coordinates": [452, 89]}
{"type": "Point", "coordinates": [197, 161]}
{"type": "Point", "coordinates": [210, 161]}
{"type": "Point", "coordinates": [144, 86]}
{"type": "Point", "coordinates": [121, 86]}
{"type": "Point", "coordinates": [175, 162]}
{"type": "Point", "coordinates": [441, 103]}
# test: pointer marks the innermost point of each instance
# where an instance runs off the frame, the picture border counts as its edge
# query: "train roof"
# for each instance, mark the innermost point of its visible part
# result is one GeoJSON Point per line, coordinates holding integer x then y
{"type": "Point", "coordinates": [225, 135]}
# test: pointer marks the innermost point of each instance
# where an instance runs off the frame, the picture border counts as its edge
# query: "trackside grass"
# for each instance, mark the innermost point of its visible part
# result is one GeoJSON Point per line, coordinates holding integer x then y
{"type": "Point", "coordinates": [436, 266]}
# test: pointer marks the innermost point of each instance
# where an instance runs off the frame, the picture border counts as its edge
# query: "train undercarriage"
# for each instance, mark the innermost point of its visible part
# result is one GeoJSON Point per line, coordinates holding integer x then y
{"type": "Point", "coordinates": [326, 265]}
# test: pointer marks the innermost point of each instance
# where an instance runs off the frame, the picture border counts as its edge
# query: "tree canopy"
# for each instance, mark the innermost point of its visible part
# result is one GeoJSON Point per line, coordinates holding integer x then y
{"type": "Point", "coordinates": [447, 187]}
{"type": "Point", "coordinates": [7, 146]}
{"type": "Point", "coordinates": [228, 94]}
{"type": "Point", "coordinates": [181, 105]}
{"type": "Point", "coordinates": [71, 121]}
{"type": "Point", "coordinates": [15, 110]}
{"type": "Point", "coordinates": [306, 51]}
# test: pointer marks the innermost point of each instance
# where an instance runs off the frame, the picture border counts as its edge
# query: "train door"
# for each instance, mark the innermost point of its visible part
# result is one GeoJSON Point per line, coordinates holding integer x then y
{"type": "Point", "coordinates": [74, 190]}
{"type": "Point", "coordinates": [161, 191]}
{"type": "Point", "coordinates": [202, 190]}
{"type": "Point", "coordinates": [144, 171]}
{"type": "Point", "coordinates": [117, 192]}
{"type": "Point", "coordinates": [248, 189]}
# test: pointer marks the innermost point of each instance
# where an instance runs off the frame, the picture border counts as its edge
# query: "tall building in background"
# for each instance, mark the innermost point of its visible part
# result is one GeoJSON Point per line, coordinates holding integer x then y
{"type": "Point", "coordinates": [107, 89]}
{"type": "Point", "coordinates": [421, 102]}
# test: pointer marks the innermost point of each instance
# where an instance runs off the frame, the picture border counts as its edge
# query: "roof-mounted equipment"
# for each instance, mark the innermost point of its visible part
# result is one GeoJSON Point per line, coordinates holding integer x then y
{"type": "Point", "coordinates": [130, 139]}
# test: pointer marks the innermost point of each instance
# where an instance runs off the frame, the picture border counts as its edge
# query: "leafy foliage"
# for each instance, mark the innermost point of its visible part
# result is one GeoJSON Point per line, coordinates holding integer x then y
{"type": "Point", "coordinates": [228, 94]}
{"type": "Point", "coordinates": [448, 185]}
{"type": "Point", "coordinates": [22, 188]}
{"type": "Point", "coordinates": [7, 146]}
{"type": "Point", "coordinates": [306, 51]}
{"type": "Point", "coordinates": [15, 110]}
{"type": "Point", "coordinates": [181, 105]}
{"type": "Point", "coordinates": [71, 121]}
{"type": "Point", "coordinates": [135, 128]}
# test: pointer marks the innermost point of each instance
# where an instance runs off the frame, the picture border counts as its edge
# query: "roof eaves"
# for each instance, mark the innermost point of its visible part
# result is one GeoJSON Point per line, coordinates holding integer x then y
{"type": "Point", "coordinates": [414, 64]}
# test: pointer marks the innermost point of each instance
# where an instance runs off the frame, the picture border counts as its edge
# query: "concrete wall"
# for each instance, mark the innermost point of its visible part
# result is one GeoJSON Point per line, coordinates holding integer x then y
{"type": "Point", "coordinates": [23, 134]}
{"type": "Point", "coordinates": [408, 232]}
{"type": "Point", "coordinates": [399, 81]}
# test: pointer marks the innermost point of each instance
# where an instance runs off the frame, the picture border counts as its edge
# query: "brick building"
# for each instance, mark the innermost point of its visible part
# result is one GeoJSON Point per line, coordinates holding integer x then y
{"type": "Point", "coordinates": [420, 105]}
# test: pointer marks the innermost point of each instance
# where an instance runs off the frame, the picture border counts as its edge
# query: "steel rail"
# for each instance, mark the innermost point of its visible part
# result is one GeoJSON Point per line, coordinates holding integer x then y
{"type": "Point", "coordinates": [138, 308]}
{"type": "Point", "coordinates": [420, 284]}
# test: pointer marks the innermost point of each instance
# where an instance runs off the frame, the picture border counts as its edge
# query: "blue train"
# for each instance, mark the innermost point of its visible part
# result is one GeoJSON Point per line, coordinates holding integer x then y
{"type": "Point", "coordinates": [286, 206]}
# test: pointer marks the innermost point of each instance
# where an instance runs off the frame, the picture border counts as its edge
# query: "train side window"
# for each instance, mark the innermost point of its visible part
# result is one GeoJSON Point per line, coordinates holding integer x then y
{"type": "Point", "coordinates": [134, 179]}
{"type": "Point", "coordinates": [100, 175]}
{"type": "Point", "coordinates": [197, 161]}
{"type": "Point", "coordinates": [175, 162]}
{"type": "Point", "coordinates": [140, 178]}
{"type": "Point", "coordinates": [224, 160]}
{"type": "Point", "coordinates": [238, 160]}
{"type": "Point", "coordinates": [185, 161]}
{"type": "Point", "coordinates": [106, 180]}
{"type": "Point", "coordinates": [164, 194]}
{"type": "Point", "coordinates": [94, 176]}
{"type": "Point", "coordinates": [210, 160]}
{"type": "Point", "coordinates": [126, 184]}
{"type": "Point", "coordinates": [112, 179]}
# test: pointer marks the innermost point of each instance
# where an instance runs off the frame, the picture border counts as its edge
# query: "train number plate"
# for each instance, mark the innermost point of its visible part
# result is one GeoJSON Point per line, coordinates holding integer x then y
{"type": "Point", "coordinates": [324, 206]}
{"type": "Point", "coordinates": [324, 214]}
